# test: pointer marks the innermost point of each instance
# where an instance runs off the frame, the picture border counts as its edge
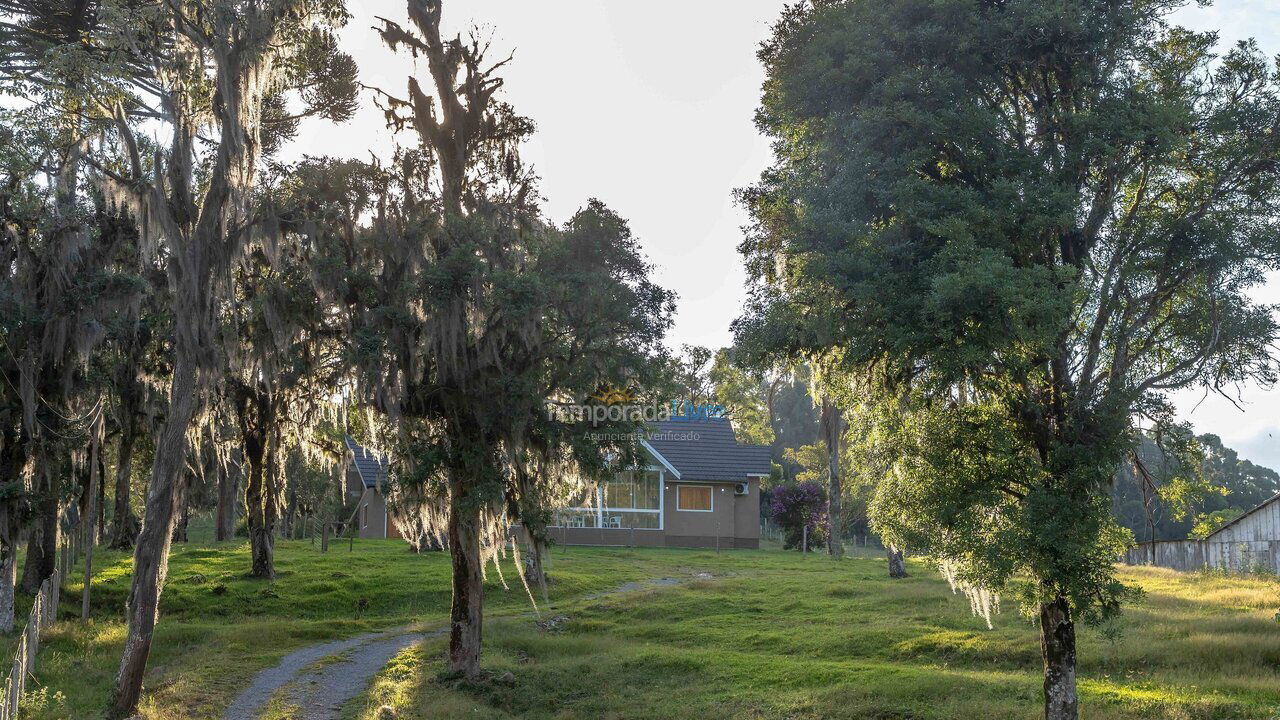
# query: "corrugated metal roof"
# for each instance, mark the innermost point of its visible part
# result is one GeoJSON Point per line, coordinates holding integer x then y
{"type": "Point", "coordinates": [705, 449]}
{"type": "Point", "coordinates": [372, 469]}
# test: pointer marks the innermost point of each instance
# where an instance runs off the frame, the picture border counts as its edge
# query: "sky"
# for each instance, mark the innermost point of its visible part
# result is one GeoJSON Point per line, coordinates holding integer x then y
{"type": "Point", "coordinates": [649, 108]}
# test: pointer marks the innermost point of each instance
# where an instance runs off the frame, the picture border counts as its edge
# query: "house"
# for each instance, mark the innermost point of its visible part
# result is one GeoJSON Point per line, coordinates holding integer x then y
{"type": "Point", "coordinates": [365, 493]}
{"type": "Point", "coordinates": [698, 488]}
{"type": "Point", "coordinates": [1250, 542]}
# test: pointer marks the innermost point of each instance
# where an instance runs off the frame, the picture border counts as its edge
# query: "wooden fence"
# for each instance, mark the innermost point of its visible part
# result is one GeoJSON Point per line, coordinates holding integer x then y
{"type": "Point", "coordinates": [43, 614]}
{"type": "Point", "coordinates": [1188, 555]}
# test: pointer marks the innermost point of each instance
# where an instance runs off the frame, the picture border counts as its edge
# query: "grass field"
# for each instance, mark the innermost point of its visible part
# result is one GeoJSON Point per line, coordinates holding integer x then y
{"type": "Point", "coordinates": [768, 635]}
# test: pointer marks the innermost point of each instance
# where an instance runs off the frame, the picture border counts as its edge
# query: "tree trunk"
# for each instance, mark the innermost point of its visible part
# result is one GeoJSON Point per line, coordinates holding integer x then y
{"type": "Point", "coordinates": [261, 513]}
{"type": "Point", "coordinates": [262, 547]}
{"type": "Point", "coordinates": [151, 555]}
{"type": "Point", "coordinates": [12, 461]}
{"type": "Point", "coordinates": [290, 510]}
{"type": "Point", "coordinates": [833, 429]}
{"type": "Point", "coordinates": [184, 509]}
{"type": "Point", "coordinates": [534, 569]}
{"type": "Point", "coordinates": [42, 544]}
{"type": "Point", "coordinates": [1058, 646]}
{"type": "Point", "coordinates": [90, 526]}
{"type": "Point", "coordinates": [100, 516]}
{"type": "Point", "coordinates": [8, 579]}
{"type": "Point", "coordinates": [124, 526]}
{"type": "Point", "coordinates": [897, 567]}
{"type": "Point", "coordinates": [8, 566]}
{"type": "Point", "coordinates": [228, 489]}
{"type": "Point", "coordinates": [255, 412]}
{"type": "Point", "coordinates": [466, 615]}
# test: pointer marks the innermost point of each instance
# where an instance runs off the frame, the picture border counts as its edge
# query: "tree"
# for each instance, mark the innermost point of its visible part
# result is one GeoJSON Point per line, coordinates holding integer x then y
{"type": "Point", "coordinates": [800, 509]}
{"type": "Point", "coordinates": [223, 66]}
{"type": "Point", "coordinates": [833, 429]}
{"type": "Point", "coordinates": [137, 353]}
{"type": "Point", "coordinates": [747, 396]}
{"type": "Point", "coordinates": [284, 364]}
{"type": "Point", "coordinates": [469, 314]}
{"type": "Point", "coordinates": [59, 288]}
{"type": "Point", "coordinates": [1028, 221]}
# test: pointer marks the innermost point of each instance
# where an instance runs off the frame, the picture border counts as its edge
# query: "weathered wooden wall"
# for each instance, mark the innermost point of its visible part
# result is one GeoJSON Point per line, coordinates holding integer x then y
{"type": "Point", "coordinates": [1262, 524]}
{"type": "Point", "coordinates": [1241, 556]}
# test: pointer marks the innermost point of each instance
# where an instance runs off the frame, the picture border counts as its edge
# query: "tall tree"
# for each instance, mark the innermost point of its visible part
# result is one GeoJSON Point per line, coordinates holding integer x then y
{"type": "Point", "coordinates": [832, 435]}
{"type": "Point", "coordinates": [59, 288]}
{"type": "Point", "coordinates": [284, 365]}
{"type": "Point", "coordinates": [224, 66]}
{"type": "Point", "coordinates": [748, 397]}
{"type": "Point", "coordinates": [470, 314]}
{"type": "Point", "coordinates": [1030, 220]}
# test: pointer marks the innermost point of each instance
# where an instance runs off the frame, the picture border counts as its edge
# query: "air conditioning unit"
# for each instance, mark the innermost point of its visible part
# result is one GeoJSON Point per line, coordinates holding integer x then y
{"type": "Point", "coordinates": [742, 489]}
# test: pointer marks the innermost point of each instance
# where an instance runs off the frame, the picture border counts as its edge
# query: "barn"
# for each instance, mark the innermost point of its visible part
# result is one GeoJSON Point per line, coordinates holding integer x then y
{"type": "Point", "coordinates": [1249, 543]}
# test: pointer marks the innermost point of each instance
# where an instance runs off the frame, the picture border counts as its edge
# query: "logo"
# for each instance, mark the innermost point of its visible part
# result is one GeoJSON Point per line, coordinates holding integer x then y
{"type": "Point", "coordinates": [609, 403]}
{"type": "Point", "coordinates": [607, 394]}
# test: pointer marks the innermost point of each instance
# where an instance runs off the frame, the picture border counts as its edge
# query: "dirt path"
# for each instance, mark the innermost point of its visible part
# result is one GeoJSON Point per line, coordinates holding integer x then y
{"type": "Point", "coordinates": [250, 702]}
{"type": "Point", "coordinates": [320, 679]}
{"type": "Point", "coordinates": [324, 689]}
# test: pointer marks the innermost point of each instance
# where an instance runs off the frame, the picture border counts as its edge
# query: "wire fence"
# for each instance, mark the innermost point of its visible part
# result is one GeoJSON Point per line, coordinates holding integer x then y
{"type": "Point", "coordinates": [43, 614]}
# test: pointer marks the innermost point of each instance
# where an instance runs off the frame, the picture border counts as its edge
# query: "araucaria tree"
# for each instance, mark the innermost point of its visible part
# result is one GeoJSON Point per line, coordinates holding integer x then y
{"type": "Point", "coordinates": [470, 314]}
{"type": "Point", "coordinates": [1029, 220]}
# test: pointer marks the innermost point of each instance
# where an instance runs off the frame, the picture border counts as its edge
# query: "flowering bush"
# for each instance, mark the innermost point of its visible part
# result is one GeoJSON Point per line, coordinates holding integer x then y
{"type": "Point", "coordinates": [795, 506]}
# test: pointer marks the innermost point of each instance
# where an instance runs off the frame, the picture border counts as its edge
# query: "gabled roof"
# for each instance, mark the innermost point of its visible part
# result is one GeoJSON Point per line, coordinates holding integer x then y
{"type": "Point", "coordinates": [1261, 505]}
{"type": "Point", "coordinates": [372, 469]}
{"type": "Point", "coordinates": [704, 449]}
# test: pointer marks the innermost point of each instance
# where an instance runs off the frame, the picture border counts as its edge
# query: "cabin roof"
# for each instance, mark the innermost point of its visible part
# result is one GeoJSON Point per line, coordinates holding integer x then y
{"type": "Point", "coordinates": [704, 449]}
{"type": "Point", "coordinates": [371, 468]}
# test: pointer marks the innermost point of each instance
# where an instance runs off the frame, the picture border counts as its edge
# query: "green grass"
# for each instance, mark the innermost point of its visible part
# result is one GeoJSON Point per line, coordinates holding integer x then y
{"type": "Point", "coordinates": [218, 626]}
{"type": "Point", "coordinates": [784, 637]}
{"type": "Point", "coordinates": [772, 635]}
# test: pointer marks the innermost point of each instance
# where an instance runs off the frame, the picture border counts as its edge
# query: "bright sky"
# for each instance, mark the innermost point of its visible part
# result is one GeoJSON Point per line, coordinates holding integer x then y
{"type": "Point", "coordinates": [648, 106]}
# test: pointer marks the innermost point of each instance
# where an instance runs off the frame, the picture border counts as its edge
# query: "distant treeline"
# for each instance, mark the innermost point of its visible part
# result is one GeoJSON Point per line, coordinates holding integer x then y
{"type": "Point", "coordinates": [1236, 485]}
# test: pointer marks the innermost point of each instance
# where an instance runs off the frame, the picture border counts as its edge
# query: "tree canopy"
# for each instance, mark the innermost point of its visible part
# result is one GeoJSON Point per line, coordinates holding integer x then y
{"type": "Point", "coordinates": [1027, 222]}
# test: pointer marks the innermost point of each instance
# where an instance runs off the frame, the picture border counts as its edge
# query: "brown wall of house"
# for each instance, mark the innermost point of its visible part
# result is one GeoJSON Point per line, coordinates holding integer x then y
{"type": "Point", "coordinates": [746, 510]}
{"type": "Point", "coordinates": [686, 523]}
{"type": "Point", "coordinates": [734, 522]}
{"type": "Point", "coordinates": [606, 536]}
{"type": "Point", "coordinates": [371, 515]}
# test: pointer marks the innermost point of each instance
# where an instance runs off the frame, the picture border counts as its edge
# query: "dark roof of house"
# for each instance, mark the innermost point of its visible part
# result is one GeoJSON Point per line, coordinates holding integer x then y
{"type": "Point", "coordinates": [372, 469]}
{"type": "Point", "coordinates": [705, 449]}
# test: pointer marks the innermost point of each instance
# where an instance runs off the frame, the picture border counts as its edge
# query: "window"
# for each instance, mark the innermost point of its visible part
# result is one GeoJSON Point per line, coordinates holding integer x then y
{"type": "Point", "coordinates": [576, 518]}
{"type": "Point", "coordinates": [627, 520]}
{"type": "Point", "coordinates": [696, 498]}
{"type": "Point", "coordinates": [630, 500]}
{"type": "Point", "coordinates": [364, 515]}
{"type": "Point", "coordinates": [636, 490]}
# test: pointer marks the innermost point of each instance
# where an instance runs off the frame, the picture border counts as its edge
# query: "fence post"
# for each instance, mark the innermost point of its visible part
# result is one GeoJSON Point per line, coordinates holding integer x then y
{"type": "Point", "coordinates": [30, 640]}
{"type": "Point", "coordinates": [804, 542]}
{"type": "Point", "coordinates": [324, 538]}
{"type": "Point", "coordinates": [88, 580]}
{"type": "Point", "coordinates": [56, 591]}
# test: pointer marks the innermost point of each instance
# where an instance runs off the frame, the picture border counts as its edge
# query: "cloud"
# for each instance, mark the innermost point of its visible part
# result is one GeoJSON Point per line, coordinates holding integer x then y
{"type": "Point", "coordinates": [1261, 449]}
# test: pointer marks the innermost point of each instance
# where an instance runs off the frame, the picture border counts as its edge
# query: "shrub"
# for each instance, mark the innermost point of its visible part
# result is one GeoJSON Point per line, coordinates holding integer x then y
{"type": "Point", "coordinates": [795, 506]}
